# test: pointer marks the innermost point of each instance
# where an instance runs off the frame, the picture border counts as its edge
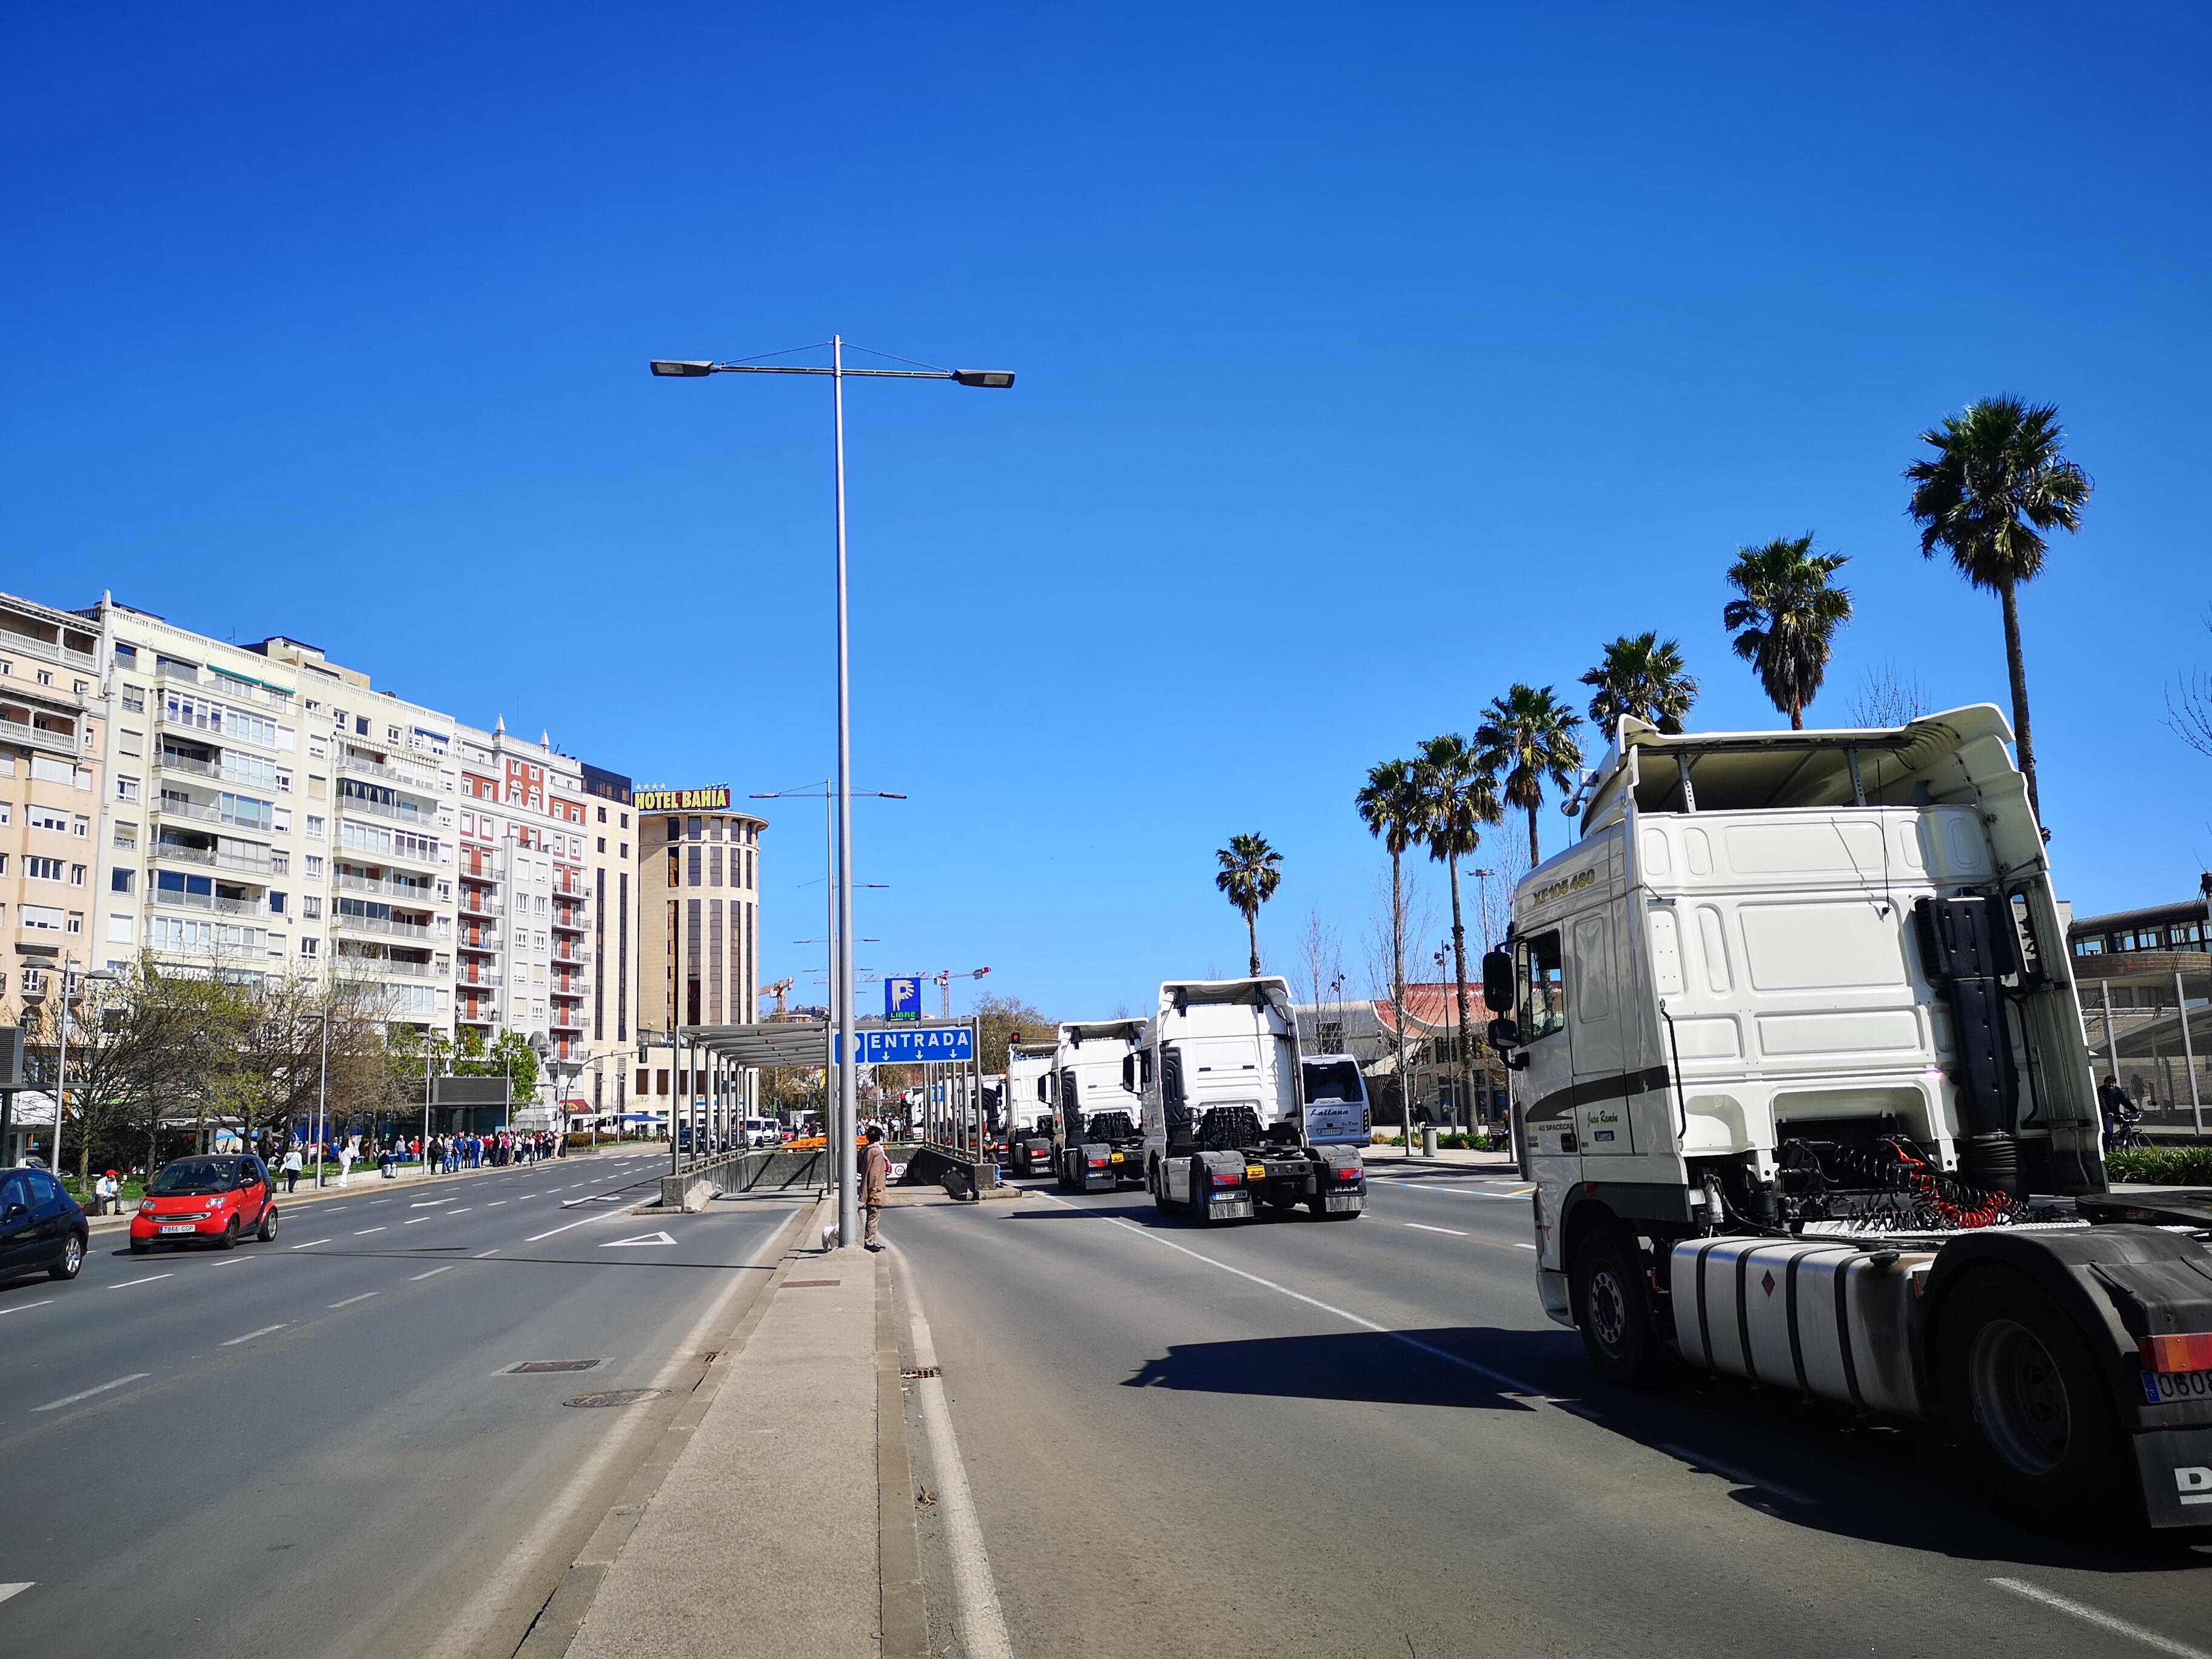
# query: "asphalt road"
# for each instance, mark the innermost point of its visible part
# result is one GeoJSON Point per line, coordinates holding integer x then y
{"type": "Point", "coordinates": [1364, 1438]}
{"type": "Point", "coordinates": [318, 1446]}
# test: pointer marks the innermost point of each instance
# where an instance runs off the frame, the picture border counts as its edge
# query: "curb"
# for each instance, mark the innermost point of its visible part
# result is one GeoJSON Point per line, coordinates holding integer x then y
{"type": "Point", "coordinates": [563, 1616]}
{"type": "Point", "coordinates": [904, 1620]}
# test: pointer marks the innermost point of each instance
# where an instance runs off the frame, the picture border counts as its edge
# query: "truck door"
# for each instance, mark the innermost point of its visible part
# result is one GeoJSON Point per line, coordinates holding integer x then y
{"type": "Point", "coordinates": [1550, 1126]}
{"type": "Point", "coordinates": [1595, 1032]}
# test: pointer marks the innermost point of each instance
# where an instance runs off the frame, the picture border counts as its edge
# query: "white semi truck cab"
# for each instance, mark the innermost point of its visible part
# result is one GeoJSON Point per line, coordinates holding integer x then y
{"type": "Point", "coordinates": [1225, 1108]}
{"type": "Point", "coordinates": [1028, 1106]}
{"type": "Point", "coordinates": [1097, 1137]}
{"type": "Point", "coordinates": [1799, 1077]}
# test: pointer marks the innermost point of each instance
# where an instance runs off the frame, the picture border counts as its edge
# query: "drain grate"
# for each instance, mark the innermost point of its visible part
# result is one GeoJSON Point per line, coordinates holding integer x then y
{"type": "Point", "coordinates": [530, 1367]}
{"type": "Point", "coordinates": [925, 1370]}
{"type": "Point", "coordinates": [615, 1397]}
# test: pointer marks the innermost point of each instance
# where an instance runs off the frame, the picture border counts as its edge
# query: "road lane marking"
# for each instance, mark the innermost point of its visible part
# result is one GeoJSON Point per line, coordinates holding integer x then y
{"type": "Point", "coordinates": [366, 1231]}
{"type": "Point", "coordinates": [412, 1220]}
{"type": "Point", "coordinates": [2100, 1618]}
{"type": "Point", "coordinates": [464, 1209]}
{"type": "Point", "coordinates": [7, 1590]}
{"type": "Point", "coordinates": [1698, 1459]}
{"type": "Point", "coordinates": [234, 1262]}
{"type": "Point", "coordinates": [1518, 1245]}
{"type": "Point", "coordinates": [26, 1307]}
{"type": "Point", "coordinates": [430, 1203]}
{"type": "Point", "coordinates": [1422, 1227]}
{"type": "Point", "coordinates": [128, 1283]}
{"type": "Point", "coordinates": [434, 1273]}
{"type": "Point", "coordinates": [480, 1255]}
{"type": "Point", "coordinates": [1510, 1383]}
{"type": "Point", "coordinates": [310, 1243]}
{"type": "Point", "coordinates": [87, 1394]}
{"type": "Point", "coordinates": [983, 1621]}
{"type": "Point", "coordinates": [641, 1239]}
{"type": "Point", "coordinates": [250, 1335]}
{"type": "Point", "coordinates": [350, 1300]}
{"type": "Point", "coordinates": [585, 1222]}
{"type": "Point", "coordinates": [495, 1203]}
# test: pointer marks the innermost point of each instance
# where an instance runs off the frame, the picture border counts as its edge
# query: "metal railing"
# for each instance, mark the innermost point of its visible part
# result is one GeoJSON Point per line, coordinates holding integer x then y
{"type": "Point", "coordinates": [362, 766]}
{"type": "Point", "coordinates": [228, 907]}
{"type": "Point", "coordinates": [379, 925]}
{"type": "Point", "coordinates": [412, 816]}
{"type": "Point", "coordinates": [386, 966]}
{"type": "Point", "coordinates": [425, 897]}
{"type": "Point", "coordinates": [166, 852]}
{"type": "Point", "coordinates": [38, 737]}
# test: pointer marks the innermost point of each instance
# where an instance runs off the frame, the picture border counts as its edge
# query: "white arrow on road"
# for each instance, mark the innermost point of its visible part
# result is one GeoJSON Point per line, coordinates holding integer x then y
{"type": "Point", "coordinates": [642, 1238]}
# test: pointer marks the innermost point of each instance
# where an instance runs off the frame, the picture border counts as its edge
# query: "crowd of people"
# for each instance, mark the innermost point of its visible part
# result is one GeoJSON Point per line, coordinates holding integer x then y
{"type": "Point", "coordinates": [446, 1154]}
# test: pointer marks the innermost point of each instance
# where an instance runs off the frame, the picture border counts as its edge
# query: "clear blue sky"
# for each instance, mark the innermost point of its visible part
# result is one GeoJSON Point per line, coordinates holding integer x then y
{"type": "Point", "coordinates": [1372, 358]}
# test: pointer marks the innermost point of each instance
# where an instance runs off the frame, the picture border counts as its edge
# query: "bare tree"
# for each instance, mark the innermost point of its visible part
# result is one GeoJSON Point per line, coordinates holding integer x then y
{"type": "Point", "coordinates": [1321, 963]}
{"type": "Point", "coordinates": [1888, 695]}
{"type": "Point", "coordinates": [2189, 709]}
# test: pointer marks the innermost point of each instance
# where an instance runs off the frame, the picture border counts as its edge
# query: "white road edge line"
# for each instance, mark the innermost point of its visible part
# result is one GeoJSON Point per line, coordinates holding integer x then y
{"type": "Point", "coordinates": [2100, 1618]}
{"type": "Point", "coordinates": [250, 1335]}
{"type": "Point", "coordinates": [26, 1307]}
{"type": "Point", "coordinates": [983, 1621]}
{"type": "Point", "coordinates": [1512, 1385]}
{"type": "Point", "coordinates": [1727, 1472]}
{"type": "Point", "coordinates": [350, 1300]}
{"type": "Point", "coordinates": [128, 1283]}
{"type": "Point", "coordinates": [1423, 1227]}
{"type": "Point", "coordinates": [87, 1394]}
{"type": "Point", "coordinates": [7, 1590]}
{"type": "Point", "coordinates": [433, 1273]}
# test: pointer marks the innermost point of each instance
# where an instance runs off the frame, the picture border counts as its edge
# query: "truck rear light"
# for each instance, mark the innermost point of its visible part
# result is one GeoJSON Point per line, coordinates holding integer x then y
{"type": "Point", "coordinates": [1349, 1175]}
{"type": "Point", "coordinates": [2190, 1353]}
{"type": "Point", "coordinates": [1255, 1172]}
{"type": "Point", "coordinates": [1095, 1163]}
{"type": "Point", "coordinates": [1229, 1181]}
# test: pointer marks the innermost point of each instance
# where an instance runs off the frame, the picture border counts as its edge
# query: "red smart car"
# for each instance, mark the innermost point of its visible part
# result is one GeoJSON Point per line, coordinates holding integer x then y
{"type": "Point", "coordinates": [214, 1201]}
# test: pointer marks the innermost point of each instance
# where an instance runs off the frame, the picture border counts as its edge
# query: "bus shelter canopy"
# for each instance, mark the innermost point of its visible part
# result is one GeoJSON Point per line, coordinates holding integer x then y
{"type": "Point", "coordinates": [774, 1043]}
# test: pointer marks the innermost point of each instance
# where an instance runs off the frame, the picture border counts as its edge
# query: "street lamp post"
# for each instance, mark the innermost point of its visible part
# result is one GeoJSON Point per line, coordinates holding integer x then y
{"type": "Point", "coordinates": [847, 1115]}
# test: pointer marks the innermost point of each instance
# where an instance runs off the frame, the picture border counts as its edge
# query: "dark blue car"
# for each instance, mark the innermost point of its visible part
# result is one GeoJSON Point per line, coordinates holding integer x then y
{"type": "Point", "coordinates": [40, 1225]}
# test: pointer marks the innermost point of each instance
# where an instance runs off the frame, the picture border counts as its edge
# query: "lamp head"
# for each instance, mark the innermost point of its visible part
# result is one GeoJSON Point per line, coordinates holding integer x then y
{"type": "Point", "coordinates": [996, 379]}
{"type": "Point", "coordinates": [681, 369]}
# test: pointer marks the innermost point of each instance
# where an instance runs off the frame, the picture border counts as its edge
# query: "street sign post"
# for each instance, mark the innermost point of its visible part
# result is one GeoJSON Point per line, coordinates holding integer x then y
{"type": "Point", "coordinates": [902, 997]}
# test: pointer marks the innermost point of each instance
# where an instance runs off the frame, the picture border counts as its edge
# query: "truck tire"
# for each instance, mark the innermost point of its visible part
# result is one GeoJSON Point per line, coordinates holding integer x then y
{"type": "Point", "coordinates": [1202, 1193]}
{"type": "Point", "coordinates": [1613, 1314]}
{"type": "Point", "coordinates": [2022, 1399]}
{"type": "Point", "coordinates": [1157, 1181]}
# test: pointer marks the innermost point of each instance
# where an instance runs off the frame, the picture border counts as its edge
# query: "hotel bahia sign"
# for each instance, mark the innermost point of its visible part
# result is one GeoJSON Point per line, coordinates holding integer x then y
{"type": "Point", "coordinates": [715, 798]}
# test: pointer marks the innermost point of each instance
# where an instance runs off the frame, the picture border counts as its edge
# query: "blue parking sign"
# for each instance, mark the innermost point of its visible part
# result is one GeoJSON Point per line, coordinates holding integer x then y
{"type": "Point", "coordinates": [902, 997]}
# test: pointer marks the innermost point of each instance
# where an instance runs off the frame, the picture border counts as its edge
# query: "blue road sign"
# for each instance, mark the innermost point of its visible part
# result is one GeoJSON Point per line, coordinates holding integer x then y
{"type": "Point", "coordinates": [902, 997]}
{"type": "Point", "coordinates": [915, 1045]}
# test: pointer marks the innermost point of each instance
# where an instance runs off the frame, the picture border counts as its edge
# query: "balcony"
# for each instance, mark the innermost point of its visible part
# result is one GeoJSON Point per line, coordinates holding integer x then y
{"type": "Point", "coordinates": [426, 860]}
{"type": "Point", "coordinates": [567, 1021]}
{"type": "Point", "coordinates": [211, 736]}
{"type": "Point", "coordinates": [355, 764]}
{"type": "Point", "coordinates": [386, 967]}
{"type": "Point", "coordinates": [165, 851]}
{"type": "Point", "coordinates": [568, 921]}
{"type": "Point", "coordinates": [480, 904]}
{"type": "Point", "coordinates": [415, 818]}
{"type": "Point", "coordinates": [176, 807]}
{"type": "Point", "coordinates": [571, 888]}
{"type": "Point", "coordinates": [425, 898]}
{"type": "Point", "coordinates": [237, 690]}
{"type": "Point", "coordinates": [173, 761]}
{"type": "Point", "coordinates": [488, 943]}
{"type": "Point", "coordinates": [223, 907]}
{"type": "Point", "coordinates": [38, 737]}
{"type": "Point", "coordinates": [480, 981]}
{"type": "Point", "coordinates": [385, 925]}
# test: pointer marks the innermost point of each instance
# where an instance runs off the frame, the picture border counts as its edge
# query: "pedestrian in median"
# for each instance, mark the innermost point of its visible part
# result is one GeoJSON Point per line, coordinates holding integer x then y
{"type": "Point", "coordinates": [875, 1179]}
{"type": "Point", "coordinates": [292, 1165]}
{"type": "Point", "coordinates": [104, 1192]}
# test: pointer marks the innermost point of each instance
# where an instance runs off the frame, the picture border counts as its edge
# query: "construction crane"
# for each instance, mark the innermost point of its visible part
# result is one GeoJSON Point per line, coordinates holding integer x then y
{"type": "Point", "coordinates": [776, 991]}
{"type": "Point", "coordinates": [945, 976]}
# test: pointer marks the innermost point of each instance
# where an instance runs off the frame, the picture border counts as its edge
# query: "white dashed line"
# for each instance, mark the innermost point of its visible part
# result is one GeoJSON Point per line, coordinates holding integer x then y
{"type": "Point", "coordinates": [250, 1335]}
{"type": "Point", "coordinates": [350, 1300]}
{"type": "Point", "coordinates": [1424, 1227]}
{"type": "Point", "coordinates": [87, 1394]}
{"type": "Point", "coordinates": [2100, 1618]}
{"type": "Point", "coordinates": [25, 1308]}
{"type": "Point", "coordinates": [366, 1231]}
{"type": "Point", "coordinates": [310, 1243]}
{"type": "Point", "coordinates": [433, 1273]}
{"type": "Point", "coordinates": [128, 1283]}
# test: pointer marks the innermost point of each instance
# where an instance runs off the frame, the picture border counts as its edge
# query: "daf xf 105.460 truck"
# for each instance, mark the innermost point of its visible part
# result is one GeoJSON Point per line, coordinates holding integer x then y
{"type": "Point", "coordinates": [1225, 1108]}
{"type": "Point", "coordinates": [1798, 1076]}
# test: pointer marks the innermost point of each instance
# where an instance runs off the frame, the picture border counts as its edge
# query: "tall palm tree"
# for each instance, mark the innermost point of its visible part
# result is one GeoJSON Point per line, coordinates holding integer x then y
{"type": "Point", "coordinates": [1785, 622]}
{"type": "Point", "coordinates": [1527, 736]}
{"type": "Point", "coordinates": [1642, 677]}
{"type": "Point", "coordinates": [1999, 476]}
{"type": "Point", "coordinates": [1457, 797]}
{"type": "Point", "coordinates": [1251, 874]}
{"type": "Point", "coordinates": [1390, 804]}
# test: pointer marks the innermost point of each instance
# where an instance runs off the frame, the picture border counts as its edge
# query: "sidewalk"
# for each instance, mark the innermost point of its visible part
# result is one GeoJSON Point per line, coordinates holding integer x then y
{"type": "Point", "coordinates": [761, 1533]}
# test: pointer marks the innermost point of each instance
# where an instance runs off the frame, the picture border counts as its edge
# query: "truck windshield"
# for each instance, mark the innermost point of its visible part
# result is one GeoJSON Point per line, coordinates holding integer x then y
{"type": "Point", "coordinates": [1337, 1079]}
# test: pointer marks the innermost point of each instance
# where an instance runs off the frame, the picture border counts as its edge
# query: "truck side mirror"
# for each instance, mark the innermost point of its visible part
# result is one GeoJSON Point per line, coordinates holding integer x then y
{"type": "Point", "coordinates": [1498, 980]}
{"type": "Point", "coordinates": [1505, 1042]}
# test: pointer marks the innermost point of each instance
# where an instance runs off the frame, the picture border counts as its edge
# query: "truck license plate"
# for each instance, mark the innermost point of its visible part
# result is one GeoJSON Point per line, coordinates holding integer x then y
{"type": "Point", "coordinates": [2163, 1388]}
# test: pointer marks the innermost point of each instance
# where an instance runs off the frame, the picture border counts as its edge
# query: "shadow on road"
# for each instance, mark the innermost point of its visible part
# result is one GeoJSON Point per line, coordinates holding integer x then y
{"type": "Point", "coordinates": [1376, 1367]}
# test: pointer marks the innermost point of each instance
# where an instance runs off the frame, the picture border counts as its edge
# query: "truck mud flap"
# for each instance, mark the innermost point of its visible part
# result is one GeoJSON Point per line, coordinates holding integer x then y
{"type": "Point", "coordinates": [1346, 1203]}
{"type": "Point", "coordinates": [1225, 1208]}
{"type": "Point", "coordinates": [2176, 1468]}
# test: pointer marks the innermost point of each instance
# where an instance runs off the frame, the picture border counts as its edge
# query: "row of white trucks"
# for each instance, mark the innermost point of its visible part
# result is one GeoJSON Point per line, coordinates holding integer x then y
{"type": "Point", "coordinates": [1799, 1079]}
{"type": "Point", "coordinates": [1208, 1105]}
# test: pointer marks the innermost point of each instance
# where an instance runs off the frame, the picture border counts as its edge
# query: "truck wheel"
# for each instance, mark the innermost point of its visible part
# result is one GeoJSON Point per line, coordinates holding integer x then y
{"type": "Point", "coordinates": [1202, 1193]}
{"type": "Point", "coordinates": [1613, 1315]}
{"type": "Point", "coordinates": [1157, 1180]}
{"type": "Point", "coordinates": [2022, 1398]}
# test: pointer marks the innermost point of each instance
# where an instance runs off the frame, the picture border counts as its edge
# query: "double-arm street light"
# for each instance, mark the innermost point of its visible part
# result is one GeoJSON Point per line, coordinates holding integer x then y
{"type": "Point", "coordinates": [847, 1115]}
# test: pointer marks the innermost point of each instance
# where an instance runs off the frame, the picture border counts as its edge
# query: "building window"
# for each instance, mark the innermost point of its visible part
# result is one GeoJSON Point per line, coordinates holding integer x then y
{"type": "Point", "coordinates": [314, 827]}
{"type": "Point", "coordinates": [311, 947]}
{"type": "Point", "coordinates": [134, 700]}
{"type": "Point", "coordinates": [311, 907]}
{"type": "Point", "coordinates": [314, 865]}
{"type": "Point", "coordinates": [126, 789]}
{"type": "Point", "coordinates": [81, 828]}
{"type": "Point", "coordinates": [126, 834]}
{"type": "Point", "coordinates": [76, 875]}
{"type": "Point", "coordinates": [38, 869]}
{"type": "Point", "coordinates": [118, 881]}
{"type": "Point", "coordinates": [39, 918]}
{"type": "Point", "coordinates": [76, 921]}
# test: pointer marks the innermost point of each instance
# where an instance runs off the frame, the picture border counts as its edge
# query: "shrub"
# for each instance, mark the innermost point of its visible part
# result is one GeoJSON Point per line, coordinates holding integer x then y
{"type": "Point", "coordinates": [2162, 1166]}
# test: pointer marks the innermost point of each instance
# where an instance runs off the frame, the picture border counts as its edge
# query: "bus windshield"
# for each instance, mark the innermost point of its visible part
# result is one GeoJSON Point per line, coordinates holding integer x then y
{"type": "Point", "coordinates": [1332, 1080]}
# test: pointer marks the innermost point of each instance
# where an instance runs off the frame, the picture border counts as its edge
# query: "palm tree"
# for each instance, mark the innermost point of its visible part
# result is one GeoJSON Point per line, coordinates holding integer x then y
{"type": "Point", "coordinates": [1529, 735]}
{"type": "Point", "coordinates": [1391, 806]}
{"type": "Point", "coordinates": [1998, 477]}
{"type": "Point", "coordinates": [1249, 875]}
{"type": "Point", "coordinates": [1457, 797]}
{"type": "Point", "coordinates": [1642, 677]}
{"type": "Point", "coordinates": [1786, 623]}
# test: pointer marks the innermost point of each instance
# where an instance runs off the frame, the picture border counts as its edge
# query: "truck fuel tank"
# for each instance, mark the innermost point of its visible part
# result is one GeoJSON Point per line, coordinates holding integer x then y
{"type": "Point", "coordinates": [1827, 1319]}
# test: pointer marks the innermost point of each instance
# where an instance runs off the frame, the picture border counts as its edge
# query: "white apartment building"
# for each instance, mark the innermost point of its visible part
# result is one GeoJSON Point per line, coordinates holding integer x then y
{"type": "Point", "coordinates": [269, 812]}
{"type": "Point", "coordinates": [51, 746]}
